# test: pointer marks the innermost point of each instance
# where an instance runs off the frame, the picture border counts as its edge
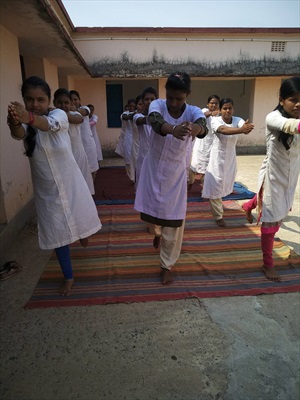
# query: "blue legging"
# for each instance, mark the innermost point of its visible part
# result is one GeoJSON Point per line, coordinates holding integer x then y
{"type": "Point", "coordinates": [64, 258]}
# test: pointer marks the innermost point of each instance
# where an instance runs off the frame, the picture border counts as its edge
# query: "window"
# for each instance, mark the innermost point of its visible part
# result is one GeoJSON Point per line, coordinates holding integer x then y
{"type": "Point", "coordinates": [278, 46]}
{"type": "Point", "coordinates": [114, 98]}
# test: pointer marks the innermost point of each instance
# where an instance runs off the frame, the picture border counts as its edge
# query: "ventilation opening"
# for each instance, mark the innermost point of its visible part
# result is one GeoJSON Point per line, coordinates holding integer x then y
{"type": "Point", "coordinates": [278, 46]}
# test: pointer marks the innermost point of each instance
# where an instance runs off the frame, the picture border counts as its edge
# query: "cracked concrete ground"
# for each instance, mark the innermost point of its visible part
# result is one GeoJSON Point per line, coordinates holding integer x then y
{"type": "Point", "coordinates": [233, 348]}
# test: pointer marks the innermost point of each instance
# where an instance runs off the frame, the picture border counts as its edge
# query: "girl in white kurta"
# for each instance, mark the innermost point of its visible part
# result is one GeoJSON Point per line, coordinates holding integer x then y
{"type": "Point", "coordinates": [135, 136]}
{"type": "Point", "coordinates": [86, 133]}
{"type": "Point", "coordinates": [144, 128]}
{"type": "Point", "coordinates": [161, 195]}
{"type": "Point", "coordinates": [127, 117]}
{"type": "Point", "coordinates": [93, 122]}
{"type": "Point", "coordinates": [62, 100]}
{"type": "Point", "coordinates": [221, 170]}
{"type": "Point", "coordinates": [202, 148]}
{"type": "Point", "coordinates": [65, 209]}
{"type": "Point", "coordinates": [281, 168]}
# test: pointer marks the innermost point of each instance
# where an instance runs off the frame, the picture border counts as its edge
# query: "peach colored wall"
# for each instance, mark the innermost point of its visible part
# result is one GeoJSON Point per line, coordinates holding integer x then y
{"type": "Point", "coordinates": [51, 76]}
{"type": "Point", "coordinates": [264, 101]}
{"type": "Point", "coordinates": [16, 187]}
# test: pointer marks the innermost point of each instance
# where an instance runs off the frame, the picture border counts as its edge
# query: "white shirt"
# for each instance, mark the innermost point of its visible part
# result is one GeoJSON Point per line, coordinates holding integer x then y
{"type": "Point", "coordinates": [162, 188]}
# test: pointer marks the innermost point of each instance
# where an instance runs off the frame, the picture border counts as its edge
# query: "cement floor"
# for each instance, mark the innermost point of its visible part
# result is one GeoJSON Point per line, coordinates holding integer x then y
{"type": "Point", "coordinates": [237, 348]}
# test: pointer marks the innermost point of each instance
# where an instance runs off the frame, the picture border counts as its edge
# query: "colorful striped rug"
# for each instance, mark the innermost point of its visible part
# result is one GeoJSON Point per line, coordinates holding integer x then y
{"type": "Point", "coordinates": [120, 264]}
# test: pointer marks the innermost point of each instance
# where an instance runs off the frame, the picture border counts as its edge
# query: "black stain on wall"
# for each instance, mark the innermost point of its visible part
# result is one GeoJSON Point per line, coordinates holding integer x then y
{"type": "Point", "coordinates": [126, 67]}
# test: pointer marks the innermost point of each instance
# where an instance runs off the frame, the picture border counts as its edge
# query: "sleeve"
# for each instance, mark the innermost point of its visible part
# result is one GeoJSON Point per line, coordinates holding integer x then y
{"type": "Point", "coordinates": [292, 126]}
{"type": "Point", "coordinates": [240, 122]}
{"type": "Point", "coordinates": [275, 121]}
{"type": "Point", "coordinates": [216, 123]}
{"type": "Point", "coordinates": [57, 119]}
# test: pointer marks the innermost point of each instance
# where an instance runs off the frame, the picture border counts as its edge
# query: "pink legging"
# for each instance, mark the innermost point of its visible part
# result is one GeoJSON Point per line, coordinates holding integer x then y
{"type": "Point", "coordinates": [251, 204]}
{"type": "Point", "coordinates": [267, 242]}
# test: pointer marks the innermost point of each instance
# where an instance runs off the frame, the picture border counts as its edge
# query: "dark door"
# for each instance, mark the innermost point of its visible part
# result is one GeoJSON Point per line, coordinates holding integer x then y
{"type": "Point", "coordinates": [114, 96]}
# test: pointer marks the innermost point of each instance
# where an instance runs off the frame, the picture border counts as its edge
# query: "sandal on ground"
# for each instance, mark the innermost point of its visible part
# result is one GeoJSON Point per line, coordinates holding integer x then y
{"type": "Point", "coordinates": [10, 269]}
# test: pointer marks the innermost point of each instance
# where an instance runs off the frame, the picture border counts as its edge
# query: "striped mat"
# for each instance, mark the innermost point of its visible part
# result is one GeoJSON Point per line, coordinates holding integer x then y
{"type": "Point", "coordinates": [120, 264]}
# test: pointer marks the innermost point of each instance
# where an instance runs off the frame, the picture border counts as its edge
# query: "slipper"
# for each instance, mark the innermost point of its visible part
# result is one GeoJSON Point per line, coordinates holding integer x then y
{"type": "Point", "coordinates": [10, 269]}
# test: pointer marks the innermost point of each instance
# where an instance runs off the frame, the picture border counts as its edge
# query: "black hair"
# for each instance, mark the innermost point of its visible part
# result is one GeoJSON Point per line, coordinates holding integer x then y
{"type": "Point", "coordinates": [74, 92]}
{"type": "Point", "coordinates": [288, 88]}
{"type": "Point", "coordinates": [90, 105]}
{"type": "Point", "coordinates": [131, 101]}
{"type": "Point", "coordinates": [30, 83]}
{"type": "Point", "coordinates": [213, 96]}
{"type": "Point", "coordinates": [179, 81]}
{"type": "Point", "coordinates": [149, 90]}
{"type": "Point", "coordinates": [138, 98]}
{"type": "Point", "coordinates": [225, 100]}
{"type": "Point", "coordinates": [61, 92]}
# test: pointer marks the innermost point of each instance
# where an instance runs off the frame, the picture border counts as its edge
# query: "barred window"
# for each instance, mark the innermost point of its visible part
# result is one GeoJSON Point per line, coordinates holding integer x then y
{"type": "Point", "coordinates": [278, 46]}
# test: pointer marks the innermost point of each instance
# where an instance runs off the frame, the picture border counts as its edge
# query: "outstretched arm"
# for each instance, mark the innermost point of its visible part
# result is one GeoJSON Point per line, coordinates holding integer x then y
{"type": "Point", "coordinates": [245, 129]}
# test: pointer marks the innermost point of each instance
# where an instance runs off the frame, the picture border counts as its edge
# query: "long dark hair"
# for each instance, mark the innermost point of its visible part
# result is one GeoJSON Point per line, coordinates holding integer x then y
{"type": "Point", "coordinates": [29, 83]}
{"type": "Point", "coordinates": [288, 88]}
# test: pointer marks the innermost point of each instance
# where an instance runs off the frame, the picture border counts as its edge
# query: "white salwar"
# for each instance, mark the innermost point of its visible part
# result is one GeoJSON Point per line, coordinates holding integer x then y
{"type": "Point", "coordinates": [93, 121]}
{"type": "Point", "coordinates": [221, 170]}
{"type": "Point", "coordinates": [135, 143]}
{"type": "Point", "coordinates": [128, 145]}
{"type": "Point", "coordinates": [80, 154]}
{"type": "Point", "coordinates": [89, 142]}
{"type": "Point", "coordinates": [281, 172]}
{"type": "Point", "coordinates": [65, 208]}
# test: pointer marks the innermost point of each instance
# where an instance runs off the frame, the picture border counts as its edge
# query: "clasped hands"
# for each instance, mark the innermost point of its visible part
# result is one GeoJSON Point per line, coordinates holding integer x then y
{"type": "Point", "coordinates": [184, 129]}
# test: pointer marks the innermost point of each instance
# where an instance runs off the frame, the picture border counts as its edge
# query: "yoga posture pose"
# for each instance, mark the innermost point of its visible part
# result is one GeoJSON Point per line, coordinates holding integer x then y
{"type": "Point", "coordinates": [280, 170]}
{"type": "Point", "coordinates": [86, 133]}
{"type": "Point", "coordinates": [65, 208]}
{"type": "Point", "coordinates": [202, 148]}
{"type": "Point", "coordinates": [221, 170]}
{"type": "Point", "coordinates": [161, 194]}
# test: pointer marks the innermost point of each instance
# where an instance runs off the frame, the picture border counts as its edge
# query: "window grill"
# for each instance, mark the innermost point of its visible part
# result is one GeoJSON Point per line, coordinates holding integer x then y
{"type": "Point", "coordinates": [278, 46]}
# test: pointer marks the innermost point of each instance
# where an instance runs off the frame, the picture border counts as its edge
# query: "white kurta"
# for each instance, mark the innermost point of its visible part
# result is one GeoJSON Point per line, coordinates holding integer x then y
{"type": "Point", "coordinates": [89, 142]}
{"type": "Point", "coordinates": [221, 170]}
{"type": "Point", "coordinates": [135, 143]}
{"type": "Point", "coordinates": [79, 153]}
{"type": "Point", "coordinates": [144, 140]}
{"type": "Point", "coordinates": [127, 139]}
{"type": "Point", "coordinates": [93, 121]}
{"type": "Point", "coordinates": [162, 188]}
{"type": "Point", "coordinates": [65, 208]}
{"type": "Point", "coordinates": [120, 146]}
{"type": "Point", "coordinates": [201, 149]}
{"type": "Point", "coordinates": [282, 171]}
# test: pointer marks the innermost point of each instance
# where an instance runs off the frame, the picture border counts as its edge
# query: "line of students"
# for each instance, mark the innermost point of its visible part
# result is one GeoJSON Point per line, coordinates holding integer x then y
{"type": "Point", "coordinates": [168, 128]}
{"type": "Point", "coordinates": [161, 189]}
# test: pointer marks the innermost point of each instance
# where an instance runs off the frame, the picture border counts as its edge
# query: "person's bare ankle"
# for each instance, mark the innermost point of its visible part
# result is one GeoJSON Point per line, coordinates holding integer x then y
{"type": "Point", "coordinates": [166, 276]}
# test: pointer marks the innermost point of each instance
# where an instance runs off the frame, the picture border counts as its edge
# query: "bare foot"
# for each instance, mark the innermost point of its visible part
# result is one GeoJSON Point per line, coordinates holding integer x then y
{"type": "Point", "coordinates": [271, 274]}
{"type": "Point", "coordinates": [156, 242]}
{"type": "Point", "coordinates": [249, 216]}
{"type": "Point", "coordinates": [166, 277]}
{"type": "Point", "coordinates": [65, 289]}
{"type": "Point", "coordinates": [221, 223]}
{"type": "Point", "coordinates": [84, 242]}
